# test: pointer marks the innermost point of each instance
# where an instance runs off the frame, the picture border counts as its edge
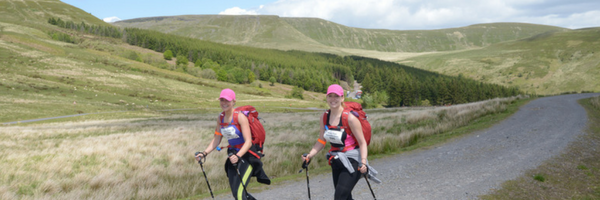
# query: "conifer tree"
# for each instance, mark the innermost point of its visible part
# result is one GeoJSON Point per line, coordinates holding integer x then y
{"type": "Point", "coordinates": [367, 85]}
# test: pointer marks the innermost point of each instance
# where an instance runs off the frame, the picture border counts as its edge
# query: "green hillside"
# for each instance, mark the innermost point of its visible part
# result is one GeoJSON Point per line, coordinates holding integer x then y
{"type": "Point", "coordinates": [56, 64]}
{"type": "Point", "coordinates": [313, 34]}
{"type": "Point", "coordinates": [536, 58]}
{"type": "Point", "coordinates": [36, 13]}
{"type": "Point", "coordinates": [551, 63]}
{"type": "Point", "coordinates": [42, 77]}
{"type": "Point", "coordinates": [258, 31]}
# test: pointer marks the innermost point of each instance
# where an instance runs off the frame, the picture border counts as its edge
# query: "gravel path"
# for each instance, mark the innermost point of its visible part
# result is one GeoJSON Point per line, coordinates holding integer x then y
{"type": "Point", "coordinates": [466, 167]}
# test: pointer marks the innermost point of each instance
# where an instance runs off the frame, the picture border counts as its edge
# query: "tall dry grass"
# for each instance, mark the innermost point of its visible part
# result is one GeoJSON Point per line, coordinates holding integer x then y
{"type": "Point", "coordinates": [153, 158]}
{"type": "Point", "coordinates": [595, 101]}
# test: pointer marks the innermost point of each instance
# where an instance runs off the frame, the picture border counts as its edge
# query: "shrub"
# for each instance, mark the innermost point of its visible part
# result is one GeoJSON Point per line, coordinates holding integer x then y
{"type": "Point", "coordinates": [425, 103]}
{"type": "Point", "coordinates": [208, 74]}
{"type": "Point", "coordinates": [539, 177]}
{"type": "Point", "coordinates": [595, 101]}
{"type": "Point", "coordinates": [368, 101]}
{"type": "Point", "coordinates": [256, 84]}
{"type": "Point", "coordinates": [168, 55]}
{"type": "Point", "coordinates": [251, 76]}
{"type": "Point", "coordinates": [132, 55]}
{"type": "Point", "coordinates": [182, 60]}
{"type": "Point", "coordinates": [297, 92]}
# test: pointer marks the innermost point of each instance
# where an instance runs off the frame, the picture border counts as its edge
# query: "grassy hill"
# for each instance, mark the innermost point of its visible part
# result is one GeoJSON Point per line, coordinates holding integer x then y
{"type": "Point", "coordinates": [67, 69]}
{"type": "Point", "coordinates": [258, 31]}
{"type": "Point", "coordinates": [313, 34]}
{"type": "Point", "coordinates": [41, 77]}
{"type": "Point", "coordinates": [36, 13]}
{"type": "Point", "coordinates": [550, 63]}
{"type": "Point", "coordinates": [536, 58]}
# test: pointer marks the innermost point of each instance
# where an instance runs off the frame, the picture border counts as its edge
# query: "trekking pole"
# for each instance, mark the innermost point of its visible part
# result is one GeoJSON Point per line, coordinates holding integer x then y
{"type": "Point", "coordinates": [368, 183]}
{"type": "Point", "coordinates": [239, 175]}
{"type": "Point", "coordinates": [202, 166]}
{"type": "Point", "coordinates": [305, 166]}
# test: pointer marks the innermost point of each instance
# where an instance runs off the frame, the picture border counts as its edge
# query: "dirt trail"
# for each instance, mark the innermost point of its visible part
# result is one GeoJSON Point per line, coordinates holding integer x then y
{"type": "Point", "coordinates": [466, 167]}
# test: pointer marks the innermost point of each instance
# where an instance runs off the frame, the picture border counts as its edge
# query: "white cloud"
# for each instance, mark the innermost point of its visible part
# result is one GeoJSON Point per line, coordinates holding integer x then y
{"type": "Point", "coordinates": [111, 19]}
{"type": "Point", "coordinates": [576, 20]}
{"type": "Point", "coordinates": [238, 11]}
{"type": "Point", "coordinates": [435, 14]}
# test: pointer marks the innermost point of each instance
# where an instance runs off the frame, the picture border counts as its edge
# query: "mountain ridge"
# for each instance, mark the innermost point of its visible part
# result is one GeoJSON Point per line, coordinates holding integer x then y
{"type": "Point", "coordinates": [452, 51]}
{"type": "Point", "coordinates": [269, 31]}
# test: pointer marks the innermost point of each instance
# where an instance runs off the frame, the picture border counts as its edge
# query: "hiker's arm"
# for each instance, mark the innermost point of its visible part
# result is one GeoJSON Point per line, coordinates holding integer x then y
{"type": "Point", "coordinates": [243, 121]}
{"type": "Point", "coordinates": [213, 143]}
{"type": "Point", "coordinates": [356, 128]}
{"type": "Point", "coordinates": [320, 144]}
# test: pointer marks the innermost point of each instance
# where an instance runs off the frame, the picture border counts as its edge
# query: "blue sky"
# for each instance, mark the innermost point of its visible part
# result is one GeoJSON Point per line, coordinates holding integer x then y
{"type": "Point", "coordinates": [372, 14]}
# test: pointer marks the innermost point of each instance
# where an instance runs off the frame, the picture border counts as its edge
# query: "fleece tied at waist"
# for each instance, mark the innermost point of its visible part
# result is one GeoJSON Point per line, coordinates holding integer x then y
{"type": "Point", "coordinates": [355, 155]}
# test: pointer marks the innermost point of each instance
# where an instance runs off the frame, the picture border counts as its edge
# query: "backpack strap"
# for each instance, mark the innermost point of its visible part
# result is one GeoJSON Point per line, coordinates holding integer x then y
{"type": "Point", "coordinates": [235, 119]}
{"type": "Point", "coordinates": [326, 116]}
{"type": "Point", "coordinates": [345, 122]}
{"type": "Point", "coordinates": [221, 118]}
{"type": "Point", "coordinates": [325, 120]}
{"type": "Point", "coordinates": [346, 126]}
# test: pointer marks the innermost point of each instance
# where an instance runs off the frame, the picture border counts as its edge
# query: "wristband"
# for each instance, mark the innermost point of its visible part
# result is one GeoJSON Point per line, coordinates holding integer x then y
{"type": "Point", "coordinates": [217, 133]}
{"type": "Point", "coordinates": [321, 141]}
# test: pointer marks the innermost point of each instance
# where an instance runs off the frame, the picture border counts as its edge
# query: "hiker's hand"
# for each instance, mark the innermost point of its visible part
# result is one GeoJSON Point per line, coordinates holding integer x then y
{"type": "Point", "coordinates": [305, 160]}
{"type": "Point", "coordinates": [363, 169]}
{"type": "Point", "coordinates": [233, 158]}
{"type": "Point", "coordinates": [200, 155]}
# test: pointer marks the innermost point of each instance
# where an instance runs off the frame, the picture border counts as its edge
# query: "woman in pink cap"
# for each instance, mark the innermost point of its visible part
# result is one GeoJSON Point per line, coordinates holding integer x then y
{"type": "Point", "coordinates": [240, 142]}
{"type": "Point", "coordinates": [348, 161]}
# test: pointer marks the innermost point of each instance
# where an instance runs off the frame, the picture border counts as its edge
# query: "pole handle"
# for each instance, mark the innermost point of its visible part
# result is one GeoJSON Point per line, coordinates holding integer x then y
{"type": "Point", "coordinates": [231, 154]}
{"type": "Point", "coordinates": [203, 157]}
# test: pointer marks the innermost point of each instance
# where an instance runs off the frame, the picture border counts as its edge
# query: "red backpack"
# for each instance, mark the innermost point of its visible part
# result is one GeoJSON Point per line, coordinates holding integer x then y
{"type": "Point", "coordinates": [357, 111]}
{"type": "Point", "coordinates": [256, 128]}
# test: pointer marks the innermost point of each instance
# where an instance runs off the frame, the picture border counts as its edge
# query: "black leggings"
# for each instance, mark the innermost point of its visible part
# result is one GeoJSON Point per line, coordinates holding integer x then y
{"type": "Point", "coordinates": [344, 181]}
{"type": "Point", "coordinates": [237, 189]}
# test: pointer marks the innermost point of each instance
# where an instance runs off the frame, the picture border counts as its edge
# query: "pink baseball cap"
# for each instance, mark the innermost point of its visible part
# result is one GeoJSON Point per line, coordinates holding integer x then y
{"type": "Point", "coordinates": [336, 89]}
{"type": "Point", "coordinates": [227, 94]}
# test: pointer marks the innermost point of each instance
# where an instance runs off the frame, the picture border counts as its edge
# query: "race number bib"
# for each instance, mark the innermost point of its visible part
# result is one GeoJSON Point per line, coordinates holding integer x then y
{"type": "Point", "coordinates": [334, 136]}
{"type": "Point", "coordinates": [229, 133]}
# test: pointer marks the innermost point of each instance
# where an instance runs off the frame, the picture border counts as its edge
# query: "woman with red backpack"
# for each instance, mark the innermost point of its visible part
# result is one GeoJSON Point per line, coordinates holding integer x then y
{"type": "Point", "coordinates": [244, 157]}
{"type": "Point", "coordinates": [348, 153]}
